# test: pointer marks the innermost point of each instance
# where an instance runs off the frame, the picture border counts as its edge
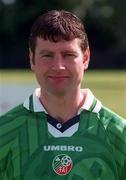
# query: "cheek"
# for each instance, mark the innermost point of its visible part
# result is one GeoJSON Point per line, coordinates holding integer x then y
{"type": "Point", "coordinates": [81, 70]}
{"type": "Point", "coordinates": [79, 66]}
{"type": "Point", "coordinates": [41, 70]}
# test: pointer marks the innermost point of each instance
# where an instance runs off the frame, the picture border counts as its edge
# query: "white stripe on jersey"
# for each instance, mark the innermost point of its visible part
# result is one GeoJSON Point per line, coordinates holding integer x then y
{"type": "Point", "coordinates": [89, 101]}
{"type": "Point", "coordinates": [97, 107]}
{"type": "Point", "coordinates": [67, 133]}
{"type": "Point", "coordinates": [38, 107]}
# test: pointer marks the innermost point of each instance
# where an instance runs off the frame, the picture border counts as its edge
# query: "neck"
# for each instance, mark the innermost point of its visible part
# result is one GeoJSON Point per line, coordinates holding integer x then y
{"type": "Point", "coordinates": [62, 108]}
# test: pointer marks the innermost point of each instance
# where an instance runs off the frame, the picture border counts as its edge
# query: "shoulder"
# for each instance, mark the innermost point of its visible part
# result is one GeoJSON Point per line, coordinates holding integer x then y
{"type": "Point", "coordinates": [115, 127]}
{"type": "Point", "coordinates": [111, 119]}
{"type": "Point", "coordinates": [18, 112]}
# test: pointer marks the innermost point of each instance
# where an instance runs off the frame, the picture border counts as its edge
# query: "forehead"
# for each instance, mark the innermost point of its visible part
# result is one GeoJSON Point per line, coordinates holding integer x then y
{"type": "Point", "coordinates": [74, 44]}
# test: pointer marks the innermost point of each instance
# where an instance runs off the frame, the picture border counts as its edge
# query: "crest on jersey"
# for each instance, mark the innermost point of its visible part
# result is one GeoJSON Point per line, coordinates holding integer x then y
{"type": "Point", "coordinates": [62, 164]}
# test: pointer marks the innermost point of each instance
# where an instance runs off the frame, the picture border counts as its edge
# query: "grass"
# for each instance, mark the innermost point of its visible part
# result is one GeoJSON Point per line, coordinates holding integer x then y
{"type": "Point", "coordinates": [107, 86]}
{"type": "Point", "coordinates": [18, 76]}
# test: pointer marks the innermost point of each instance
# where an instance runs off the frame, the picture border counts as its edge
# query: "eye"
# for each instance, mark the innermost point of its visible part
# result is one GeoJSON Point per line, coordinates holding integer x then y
{"type": "Point", "coordinates": [69, 55]}
{"type": "Point", "coordinates": [46, 55]}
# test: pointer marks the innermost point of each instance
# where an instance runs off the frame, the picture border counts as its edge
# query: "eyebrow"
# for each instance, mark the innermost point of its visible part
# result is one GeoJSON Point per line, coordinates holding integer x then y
{"type": "Point", "coordinates": [45, 51]}
{"type": "Point", "coordinates": [70, 52]}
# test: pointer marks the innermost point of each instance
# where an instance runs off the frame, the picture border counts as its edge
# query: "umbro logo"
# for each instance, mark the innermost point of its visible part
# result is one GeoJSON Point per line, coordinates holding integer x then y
{"type": "Point", "coordinates": [63, 148]}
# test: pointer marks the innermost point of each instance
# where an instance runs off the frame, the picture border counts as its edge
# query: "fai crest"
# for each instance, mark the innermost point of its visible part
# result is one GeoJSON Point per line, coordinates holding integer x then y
{"type": "Point", "coordinates": [62, 164]}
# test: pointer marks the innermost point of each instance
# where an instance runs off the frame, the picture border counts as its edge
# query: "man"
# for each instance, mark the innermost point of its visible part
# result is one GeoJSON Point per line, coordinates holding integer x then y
{"type": "Point", "coordinates": [61, 131]}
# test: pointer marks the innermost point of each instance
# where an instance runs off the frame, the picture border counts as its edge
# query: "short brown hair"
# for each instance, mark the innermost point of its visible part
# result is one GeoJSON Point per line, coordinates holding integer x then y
{"type": "Point", "coordinates": [58, 25]}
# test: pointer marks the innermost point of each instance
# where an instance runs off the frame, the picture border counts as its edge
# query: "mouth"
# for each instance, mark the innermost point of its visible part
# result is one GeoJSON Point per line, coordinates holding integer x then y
{"type": "Point", "coordinates": [58, 77]}
{"type": "Point", "coordinates": [63, 77]}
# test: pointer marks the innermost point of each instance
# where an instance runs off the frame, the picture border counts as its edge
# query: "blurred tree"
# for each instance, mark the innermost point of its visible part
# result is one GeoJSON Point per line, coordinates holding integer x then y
{"type": "Point", "coordinates": [104, 19]}
{"type": "Point", "coordinates": [106, 27]}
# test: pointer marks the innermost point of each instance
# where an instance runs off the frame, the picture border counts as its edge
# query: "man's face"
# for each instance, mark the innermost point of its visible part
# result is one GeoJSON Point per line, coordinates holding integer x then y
{"type": "Point", "coordinates": [59, 66]}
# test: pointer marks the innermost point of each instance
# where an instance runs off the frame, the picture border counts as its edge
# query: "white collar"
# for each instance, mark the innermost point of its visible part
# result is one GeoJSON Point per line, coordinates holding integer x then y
{"type": "Point", "coordinates": [33, 103]}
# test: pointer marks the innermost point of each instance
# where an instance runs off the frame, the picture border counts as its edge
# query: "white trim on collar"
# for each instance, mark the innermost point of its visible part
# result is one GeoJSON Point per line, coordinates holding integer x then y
{"type": "Point", "coordinates": [67, 133]}
{"type": "Point", "coordinates": [38, 107]}
{"type": "Point", "coordinates": [89, 101]}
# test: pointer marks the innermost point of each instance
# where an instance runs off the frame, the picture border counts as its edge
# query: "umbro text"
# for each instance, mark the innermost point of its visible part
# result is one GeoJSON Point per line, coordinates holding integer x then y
{"type": "Point", "coordinates": [63, 148]}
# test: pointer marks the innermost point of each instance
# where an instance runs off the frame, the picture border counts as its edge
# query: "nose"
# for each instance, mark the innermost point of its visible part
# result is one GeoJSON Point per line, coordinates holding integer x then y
{"type": "Point", "coordinates": [58, 63]}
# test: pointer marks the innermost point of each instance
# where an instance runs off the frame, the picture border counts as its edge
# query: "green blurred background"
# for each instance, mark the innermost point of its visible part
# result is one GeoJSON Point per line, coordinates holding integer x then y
{"type": "Point", "coordinates": [106, 28]}
{"type": "Point", "coordinates": [107, 86]}
{"type": "Point", "coordinates": [104, 21]}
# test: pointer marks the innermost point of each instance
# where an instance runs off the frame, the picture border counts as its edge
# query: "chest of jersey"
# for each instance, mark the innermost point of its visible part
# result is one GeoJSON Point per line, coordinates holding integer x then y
{"type": "Point", "coordinates": [71, 158]}
{"type": "Point", "coordinates": [85, 155]}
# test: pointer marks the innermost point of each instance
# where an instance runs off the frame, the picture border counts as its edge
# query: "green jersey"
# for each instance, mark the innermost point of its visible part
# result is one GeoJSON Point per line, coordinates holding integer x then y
{"type": "Point", "coordinates": [35, 146]}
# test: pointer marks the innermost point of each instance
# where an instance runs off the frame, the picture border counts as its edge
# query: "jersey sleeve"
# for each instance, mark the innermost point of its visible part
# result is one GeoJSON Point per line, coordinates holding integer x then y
{"type": "Point", "coordinates": [6, 156]}
{"type": "Point", "coordinates": [123, 176]}
{"type": "Point", "coordinates": [115, 127]}
{"type": "Point", "coordinates": [6, 167]}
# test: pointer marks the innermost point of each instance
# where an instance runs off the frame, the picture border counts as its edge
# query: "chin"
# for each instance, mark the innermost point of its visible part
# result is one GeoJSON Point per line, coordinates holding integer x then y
{"type": "Point", "coordinates": [59, 93]}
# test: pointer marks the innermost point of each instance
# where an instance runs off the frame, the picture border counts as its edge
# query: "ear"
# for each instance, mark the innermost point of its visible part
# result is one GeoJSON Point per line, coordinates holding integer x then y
{"type": "Point", "coordinates": [31, 57]}
{"type": "Point", "coordinates": [86, 58]}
